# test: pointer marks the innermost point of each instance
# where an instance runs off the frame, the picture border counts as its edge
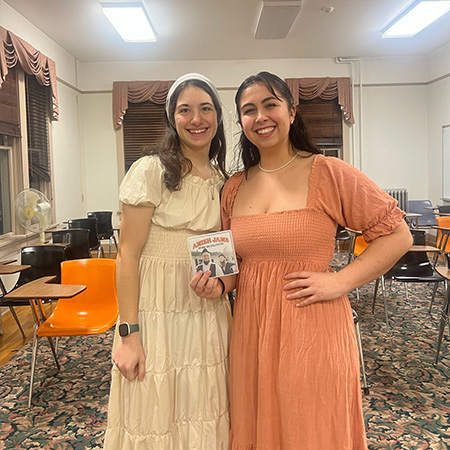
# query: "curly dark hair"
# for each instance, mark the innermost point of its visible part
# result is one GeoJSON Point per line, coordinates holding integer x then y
{"type": "Point", "coordinates": [299, 134]}
{"type": "Point", "coordinates": [175, 164]}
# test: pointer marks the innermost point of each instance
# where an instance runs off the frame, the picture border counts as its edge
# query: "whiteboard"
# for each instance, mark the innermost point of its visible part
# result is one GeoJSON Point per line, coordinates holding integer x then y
{"type": "Point", "coordinates": [446, 163]}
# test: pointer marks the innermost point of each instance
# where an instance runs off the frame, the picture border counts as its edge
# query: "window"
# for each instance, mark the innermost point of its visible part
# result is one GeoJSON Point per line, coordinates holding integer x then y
{"type": "Point", "coordinates": [143, 124]}
{"type": "Point", "coordinates": [38, 119]}
{"type": "Point", "coordinates": [25, 108]}
{"type": "Point", "coordinates": [324, 120]}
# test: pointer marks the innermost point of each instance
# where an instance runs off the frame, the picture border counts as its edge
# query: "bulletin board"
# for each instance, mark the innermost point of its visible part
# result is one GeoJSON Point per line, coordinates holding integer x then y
{"type": "Point", "coordinates": [446, 163]}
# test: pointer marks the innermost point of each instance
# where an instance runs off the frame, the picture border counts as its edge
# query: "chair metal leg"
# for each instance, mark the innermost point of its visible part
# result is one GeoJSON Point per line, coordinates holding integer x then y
{"type": "Point", "coordinates": [432, 297]}
{"type": "Point", "coordinates": [39, 316]}
{"type": "Point", "coordinates": [385, 304]}
{"type": "Point", "coordinates": [33, 364]}
{"type": "Point", "coordinates": [111, 240]}
{"type": "Point", "coordinates": [444, 321]}
{"type": "Point", "coordinates": [100, 252]}
{"type": "Point", "coordinates": [361, 357]}
{"type": "Point", "coordinates": [13, 313]}
{"type": "Point", "coordinates": [377, 283]}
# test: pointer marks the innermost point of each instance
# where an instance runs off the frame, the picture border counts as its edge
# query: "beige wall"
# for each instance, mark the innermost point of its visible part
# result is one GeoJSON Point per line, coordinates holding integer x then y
{"type": "Point", "coordinates": [396, 139]}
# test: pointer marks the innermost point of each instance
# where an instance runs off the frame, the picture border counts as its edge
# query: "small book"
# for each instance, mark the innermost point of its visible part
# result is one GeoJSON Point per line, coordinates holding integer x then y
{"type": "Point", "coordinates": [214, 252]}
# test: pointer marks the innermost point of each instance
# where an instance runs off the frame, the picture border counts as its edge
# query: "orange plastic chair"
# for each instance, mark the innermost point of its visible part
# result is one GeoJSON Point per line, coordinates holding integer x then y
{"type": "Point", "coordinates": [443, 243]}
{"type": "Point", "coordinates": [92, 312]}
{"type": "Point", "coordinates": [360, 245]}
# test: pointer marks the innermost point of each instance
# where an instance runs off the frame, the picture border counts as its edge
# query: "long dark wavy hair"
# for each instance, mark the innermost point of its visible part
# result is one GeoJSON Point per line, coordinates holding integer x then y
{"type": "Point", "coordinates": [175, 164]}
{"type": "Point", "coordinates": [299, 135]}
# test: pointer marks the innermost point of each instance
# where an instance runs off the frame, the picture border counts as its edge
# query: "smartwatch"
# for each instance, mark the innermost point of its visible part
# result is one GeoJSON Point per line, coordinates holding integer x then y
{"type": "Point", "coordinates": [125, 329]}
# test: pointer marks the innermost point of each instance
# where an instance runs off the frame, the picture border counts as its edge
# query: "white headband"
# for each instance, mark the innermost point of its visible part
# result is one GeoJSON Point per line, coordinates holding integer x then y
{"type": "Point", "coordinates": [193, 76]}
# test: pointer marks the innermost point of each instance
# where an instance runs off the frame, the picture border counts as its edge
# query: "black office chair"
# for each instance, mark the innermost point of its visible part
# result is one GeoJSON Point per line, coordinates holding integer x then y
{"type": "Point", "coordinates": [104, 226]}
{"type": "Point", "coordinates": [89, 223]}
{"type": "Point", "coordinates": [77, 240]}
{"type": "Point", "coordinates": [444, 209]}
{"type": "Point", "coordinates": [412, 267]}
{"type": "Point", "coordinates": [44, 260]}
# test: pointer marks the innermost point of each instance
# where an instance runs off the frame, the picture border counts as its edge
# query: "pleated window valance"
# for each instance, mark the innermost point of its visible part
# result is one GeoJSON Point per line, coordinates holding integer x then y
{"type": "Point", "coordinates": [325, 88]}
{"type": "Point", "coordinates": [136, 92]}
{"type": "Point", "coordinates": [14, 50]}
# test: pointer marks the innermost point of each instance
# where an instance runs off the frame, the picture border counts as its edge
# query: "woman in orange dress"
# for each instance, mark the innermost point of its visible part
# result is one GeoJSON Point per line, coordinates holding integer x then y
{"type": "Point", "coordinates": [294, 358]}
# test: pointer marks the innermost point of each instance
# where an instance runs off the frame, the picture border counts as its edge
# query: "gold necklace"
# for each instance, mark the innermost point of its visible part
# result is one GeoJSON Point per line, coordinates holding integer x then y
{"type": "Point", "coordinates": [278, 168]}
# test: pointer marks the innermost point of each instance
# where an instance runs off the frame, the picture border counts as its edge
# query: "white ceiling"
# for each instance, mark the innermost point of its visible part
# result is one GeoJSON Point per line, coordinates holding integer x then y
{"type": "Point", "coordinates": [224, 30]}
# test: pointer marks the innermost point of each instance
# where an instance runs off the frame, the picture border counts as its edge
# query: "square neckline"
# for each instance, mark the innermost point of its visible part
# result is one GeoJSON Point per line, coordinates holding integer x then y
{"type": "Point", "coordinates": [308, 196]}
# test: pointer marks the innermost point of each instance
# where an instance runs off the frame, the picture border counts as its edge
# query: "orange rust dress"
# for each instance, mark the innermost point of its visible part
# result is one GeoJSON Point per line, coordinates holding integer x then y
{"type": "Point", "coordinates": [295, 371]}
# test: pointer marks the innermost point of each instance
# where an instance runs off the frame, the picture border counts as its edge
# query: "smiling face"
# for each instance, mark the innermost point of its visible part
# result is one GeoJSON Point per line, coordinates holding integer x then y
{"type": "Point", "coordinates": [195, 119]}
{"type": "Point", "coordinates": [265, 119]}
{"type": "Point", "coordinates": [206, 257]}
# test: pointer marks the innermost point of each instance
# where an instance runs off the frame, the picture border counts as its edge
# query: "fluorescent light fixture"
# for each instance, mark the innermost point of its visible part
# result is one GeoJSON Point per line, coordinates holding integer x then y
{"type": "Point", "coordinates": [416, 18]}
{"type": "Point", "coordinates": [130, 21]}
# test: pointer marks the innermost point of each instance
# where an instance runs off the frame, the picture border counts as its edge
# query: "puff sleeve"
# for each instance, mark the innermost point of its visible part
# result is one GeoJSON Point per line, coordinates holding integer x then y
{"type": "Point", "coordinates": [353, 200]}
{"type": "Point", "coordinates": [227, 199]}
{"type": "Point", "coordinates": [143, 184]}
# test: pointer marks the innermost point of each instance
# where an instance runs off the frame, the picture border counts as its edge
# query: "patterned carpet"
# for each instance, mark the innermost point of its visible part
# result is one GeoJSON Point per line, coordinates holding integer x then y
{"type": "Point", "coordinates": [408, 407]}
{"type": "Point", "coordinates": [69, 407]}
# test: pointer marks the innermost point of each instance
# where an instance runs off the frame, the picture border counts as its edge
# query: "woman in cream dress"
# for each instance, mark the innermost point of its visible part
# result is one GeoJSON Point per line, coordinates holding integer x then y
{"type": "Point", "coordinates": [169, 386]}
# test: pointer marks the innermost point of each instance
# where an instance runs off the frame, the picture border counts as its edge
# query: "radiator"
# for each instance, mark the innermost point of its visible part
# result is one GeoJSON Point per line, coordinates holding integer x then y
{"type": "Point", "coordinates": [401, 195]}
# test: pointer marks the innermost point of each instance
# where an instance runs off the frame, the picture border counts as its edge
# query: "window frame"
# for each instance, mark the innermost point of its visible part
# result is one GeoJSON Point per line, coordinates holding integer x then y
{"type": "Point", "coordinates": [9, 155]}
{"type": "Point", "coordinates": [10, 243]}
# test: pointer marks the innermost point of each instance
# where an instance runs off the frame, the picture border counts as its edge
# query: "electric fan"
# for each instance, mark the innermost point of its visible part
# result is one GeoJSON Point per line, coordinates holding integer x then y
{"type": "Point", "coordinates": [34, 211]}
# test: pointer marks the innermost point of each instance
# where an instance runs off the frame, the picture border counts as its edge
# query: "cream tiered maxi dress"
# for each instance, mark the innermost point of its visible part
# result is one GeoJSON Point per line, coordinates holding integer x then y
{"type": "Point", "coordinates": [182, 404]}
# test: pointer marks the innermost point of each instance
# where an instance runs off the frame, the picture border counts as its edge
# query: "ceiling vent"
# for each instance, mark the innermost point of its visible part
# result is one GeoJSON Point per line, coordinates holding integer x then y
{"type": "Point", "coordinates": [276, 19]}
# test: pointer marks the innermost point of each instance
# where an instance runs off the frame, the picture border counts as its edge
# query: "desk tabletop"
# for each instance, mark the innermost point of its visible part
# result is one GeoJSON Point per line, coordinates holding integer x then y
{"type": "Point", "coordinates": [444, 229]}
{"type": "Point", "coordinates": [423, 248]}
{"type": "Point", "coordinates": [443, 272]}
{"type": "Point", "coordinates": [7, 261]}
{"type": "Point", "coordinates": [6, 268]}
{"type": "Point", "coordinates": [56, 244]}
{"type": "Point", "coordinates": [439, 214]}
{"type": "Point", "coordinates": [412, 215]}
{"type": "Point", "coordinates": [41, 289]}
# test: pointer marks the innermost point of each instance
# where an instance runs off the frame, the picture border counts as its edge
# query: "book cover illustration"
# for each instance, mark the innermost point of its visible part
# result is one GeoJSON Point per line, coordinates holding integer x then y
{"type": "Point", "coordinates": [214, 252]}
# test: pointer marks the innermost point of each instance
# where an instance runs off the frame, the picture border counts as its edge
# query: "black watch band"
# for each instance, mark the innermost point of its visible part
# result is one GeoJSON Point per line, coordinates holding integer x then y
{"type": "Point", "coordinates": [125, 329]}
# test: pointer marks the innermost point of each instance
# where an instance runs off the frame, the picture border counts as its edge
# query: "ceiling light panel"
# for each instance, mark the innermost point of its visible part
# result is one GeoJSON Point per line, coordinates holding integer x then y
{"type": "Point", "coordinates": [276, 19]}
{"type": "Point", "coordinates": [416, 18]}
{"type": "Point", "coordinates": [130, 20]}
